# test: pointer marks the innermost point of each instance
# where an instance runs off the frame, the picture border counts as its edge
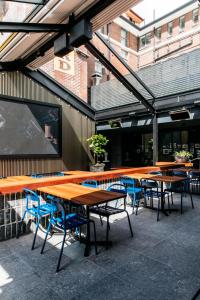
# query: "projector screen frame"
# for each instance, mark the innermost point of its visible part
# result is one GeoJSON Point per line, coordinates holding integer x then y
{"type": "Point", "coordinates": [39, 103]}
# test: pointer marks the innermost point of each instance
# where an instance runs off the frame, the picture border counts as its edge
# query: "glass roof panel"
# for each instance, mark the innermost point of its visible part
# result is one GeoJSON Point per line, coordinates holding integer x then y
{"type": "Point", "coordinates": [13, 12]}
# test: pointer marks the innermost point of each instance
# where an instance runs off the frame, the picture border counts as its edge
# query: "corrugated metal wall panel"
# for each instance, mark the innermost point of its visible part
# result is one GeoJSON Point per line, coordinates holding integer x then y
{"type": "Point", "coordinates": [74, 133]}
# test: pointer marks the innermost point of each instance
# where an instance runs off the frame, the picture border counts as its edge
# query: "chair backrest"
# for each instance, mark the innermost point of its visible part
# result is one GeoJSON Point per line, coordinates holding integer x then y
{"type": "Point", "coordinates": [149, 183]}
{"type": "Point", "coordinates": [179, 173]}
{"type": "Point", "coordinates": [195, 174]}
{"type": "Point", "coordinates": [56, 205]}
{"type": "Point", "coordinates": [127, 182]}
{"type": "Point", "coordinates": [118, 188]}
{"type": "Point", "coordinates": [157, 173]}
{"type": "Point", "coordinates": [90, 183]}
{"type": "Point", "coordinates": [31, 196]}
{"type": "Point", "coordinates": [41, 175]}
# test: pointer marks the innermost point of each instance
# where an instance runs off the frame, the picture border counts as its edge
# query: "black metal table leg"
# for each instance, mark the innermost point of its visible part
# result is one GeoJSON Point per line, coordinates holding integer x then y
{"type": "Point", "coordinates": [88, 244]}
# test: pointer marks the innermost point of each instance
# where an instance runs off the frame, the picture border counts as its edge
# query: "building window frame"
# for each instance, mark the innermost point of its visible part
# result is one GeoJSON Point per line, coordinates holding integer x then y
{"type": "Point", "coordinates": [195, 16]}
{"type": "Point", "coordinates": [124, 54]}
{"type": "Point", "coordinates": [158, 33]}
{"type": "Point", "coordinates": [145, 40]}
{"type": "Point", "coordinates": [182, 23]}
{"type": "Point", "coordinates": [124, 37]}
{"type": "Point", "coordinates": [170, 28]}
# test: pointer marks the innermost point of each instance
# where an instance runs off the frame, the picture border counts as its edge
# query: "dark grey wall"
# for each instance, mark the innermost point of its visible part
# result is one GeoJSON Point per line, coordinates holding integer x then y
{"type": "Point", "coordinates": [76, 128]}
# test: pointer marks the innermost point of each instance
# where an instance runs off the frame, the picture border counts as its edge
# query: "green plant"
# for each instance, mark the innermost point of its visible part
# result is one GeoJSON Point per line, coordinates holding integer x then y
{"type": "Point", "coordinates": [97, 142]}
{"type": "Point", "coordinates": [183, 154]}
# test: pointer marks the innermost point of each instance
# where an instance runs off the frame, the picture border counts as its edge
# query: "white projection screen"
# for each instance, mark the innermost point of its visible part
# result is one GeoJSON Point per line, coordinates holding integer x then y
{"type": "Point", "coordinates": [29, 129]}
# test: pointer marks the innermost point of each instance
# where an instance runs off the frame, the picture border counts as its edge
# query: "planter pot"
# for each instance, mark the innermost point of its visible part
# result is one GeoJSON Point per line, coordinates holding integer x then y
{"type": "Point", "coordinates": [180, 159]}
{"type": "Point", "coordinates": [97, 168]}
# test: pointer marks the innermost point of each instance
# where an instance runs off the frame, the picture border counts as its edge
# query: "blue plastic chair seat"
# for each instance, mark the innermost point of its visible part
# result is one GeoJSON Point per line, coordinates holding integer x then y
{"type": "Point", "coordinates": [72, 221]}
{"type": "Point", "coordinates": [152, 193]}
{"type": "Point", "coordinates": [134, 190]}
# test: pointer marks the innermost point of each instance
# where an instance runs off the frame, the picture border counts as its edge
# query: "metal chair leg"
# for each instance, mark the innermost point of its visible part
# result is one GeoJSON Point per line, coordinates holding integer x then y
{"type": "Point", "coordinates": [137, 206]}
{"type": "Point", "coordinates": [46, 235]}
{"type": "Point", "coordinates": [129, 222]}
{"type": "Point", "coordinates": [172, 198]}
{"type": "Point", "coordinates": [36, 230]}
{"type": "Point", "coordinates": [158, 211]}
{"type": "Point", "coordinates": [107, 232]}
{"type": "Point", "coordinates": [191, 200]}
{"type": "Point", "coordinates": [95, 237]}
{"type": "Point", "coordinates": [20, 224]}
{"type": "Point", "coordinates": [168, 203]}
{"type": "Point", "coordinates": [61, 252]}
{"type": "Point", "coordinates": [181, 203]}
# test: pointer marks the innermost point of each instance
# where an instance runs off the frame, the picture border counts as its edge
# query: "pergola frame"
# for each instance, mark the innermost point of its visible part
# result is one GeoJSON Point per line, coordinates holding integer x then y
{"type": "Point", "coordinates": [20, 64]}
{"type": "Point", "coordinates": [37, 2]}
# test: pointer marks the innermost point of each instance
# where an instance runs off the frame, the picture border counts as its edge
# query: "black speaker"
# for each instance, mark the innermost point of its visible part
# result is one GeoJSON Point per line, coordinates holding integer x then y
{"type": "Point", "coordinates": [62, 46]}
{"type": "Point", "coordinates": [80, 33]}
{"type": "Point", "coordinates": [181, 114]}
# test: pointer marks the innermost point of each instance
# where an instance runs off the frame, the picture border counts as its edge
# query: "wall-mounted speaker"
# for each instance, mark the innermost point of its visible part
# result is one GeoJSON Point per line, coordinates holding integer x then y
{"type": "Point", "coordinates": [181, 114]}
{"type": "Point", "coordinates": [81, 33]}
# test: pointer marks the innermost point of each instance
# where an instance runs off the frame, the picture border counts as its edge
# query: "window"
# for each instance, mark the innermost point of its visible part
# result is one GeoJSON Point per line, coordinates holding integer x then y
{"type": "Point", "coordinates": [124, 54]}
{"type": "Point", "coordinates": [195, 16]}
{"type": "Point", "coordinates": [142, 41]}
{"type": "Point", "coordinates": [170, 28]}
{"type": "Point", "coordinates": [145, 40]}
{"type": "Point", "coordinates": [105, 29]}
{"type": "Point", "coordinates": [182, 23]}
{"type": "Point", "coordinates": [158, 33]}
{"type": "Point", "coordinates": [148, 38]}
{"type": "Point", "coordinates": [124, 37]}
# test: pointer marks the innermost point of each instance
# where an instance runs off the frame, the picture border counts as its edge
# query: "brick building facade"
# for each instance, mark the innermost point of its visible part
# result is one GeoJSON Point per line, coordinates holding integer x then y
{"type": "Point", "coordinates": [140, 45]}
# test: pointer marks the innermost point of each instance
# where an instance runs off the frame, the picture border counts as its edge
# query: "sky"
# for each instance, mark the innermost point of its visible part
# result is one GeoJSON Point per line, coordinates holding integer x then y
{"type": "Point", "coordinates": [146, 7]}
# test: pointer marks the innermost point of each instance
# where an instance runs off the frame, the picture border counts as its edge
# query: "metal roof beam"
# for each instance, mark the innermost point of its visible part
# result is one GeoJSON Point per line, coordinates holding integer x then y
{"type": "Point", "coordinates": [90, 46]}
{"type": "Point", "coordinates": [37, 2]}
{"type": "Point", "coordinates": [122, 61]}
{"type": "Point", "coordinates": [31, 27]}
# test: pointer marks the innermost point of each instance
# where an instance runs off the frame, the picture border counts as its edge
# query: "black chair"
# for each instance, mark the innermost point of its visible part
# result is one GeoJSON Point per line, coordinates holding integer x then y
{"type": "Point", "coordinates": [151, 192]}
{"type": "Point", "coordinates": [195, 181]}
{"type": "Point", "coordinates": [181, 187]}
{"type": "Point", "coordinates": [108, 210]}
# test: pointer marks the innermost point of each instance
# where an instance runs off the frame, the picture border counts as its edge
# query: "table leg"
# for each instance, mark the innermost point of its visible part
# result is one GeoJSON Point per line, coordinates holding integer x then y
{"type": "Point", "coordinates": [163, 201]}
{"type": "Point", "coordinates": [88, 244]}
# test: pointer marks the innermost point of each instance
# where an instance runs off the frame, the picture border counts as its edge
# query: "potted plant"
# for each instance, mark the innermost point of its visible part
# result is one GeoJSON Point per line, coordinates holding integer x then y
{"type": "Point", "coordinates": [97, 142]}
{"type": "Point", "coordinates": [182, 156]}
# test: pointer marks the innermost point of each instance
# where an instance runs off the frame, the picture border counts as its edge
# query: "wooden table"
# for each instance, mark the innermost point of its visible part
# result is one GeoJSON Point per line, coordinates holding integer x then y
{"type": "Point", "coordinates": [83, 196]}
{"type": "Point", "coordinates": [140, 176]}
{"type": "Point", "coordinates": [166, 179]}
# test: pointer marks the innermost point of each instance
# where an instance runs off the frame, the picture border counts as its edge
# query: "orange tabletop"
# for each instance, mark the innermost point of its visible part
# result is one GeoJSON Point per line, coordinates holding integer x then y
{"type": "Point", "coordinates": [140, 176]}
{"type": "Point", "coordinates": [80, 194]}
{"type": "Point", "coordinates": [169, 179]}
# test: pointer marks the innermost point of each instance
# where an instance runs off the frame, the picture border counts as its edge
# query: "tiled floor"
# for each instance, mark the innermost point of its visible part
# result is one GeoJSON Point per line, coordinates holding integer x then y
{"type": "Point", "coordinates": [162, 261]}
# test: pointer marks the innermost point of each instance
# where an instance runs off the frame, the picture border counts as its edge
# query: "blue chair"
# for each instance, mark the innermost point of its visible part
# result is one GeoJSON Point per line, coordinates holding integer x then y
{"type": "Point", "coordinates": [107, 210]}
{"type": "Point", "coordinates": [42, 175]}
{"type": "Point", "coordinates": [90, 183]}
{"type": "Point", "coordinates": [35, 209]}
{"type": "Point", "coordinates": [65, 222]}
{"type": "Point", "coordinates": [132, 190]}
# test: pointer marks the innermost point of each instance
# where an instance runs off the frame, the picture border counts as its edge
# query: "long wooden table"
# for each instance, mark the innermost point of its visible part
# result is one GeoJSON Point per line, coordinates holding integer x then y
{"type": "Point", "coordinates": [83, 196]}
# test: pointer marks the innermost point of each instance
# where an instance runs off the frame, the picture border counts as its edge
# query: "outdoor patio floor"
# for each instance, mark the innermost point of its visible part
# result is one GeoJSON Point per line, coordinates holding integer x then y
{"type": "Point", "coordinates": [162, 261]}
